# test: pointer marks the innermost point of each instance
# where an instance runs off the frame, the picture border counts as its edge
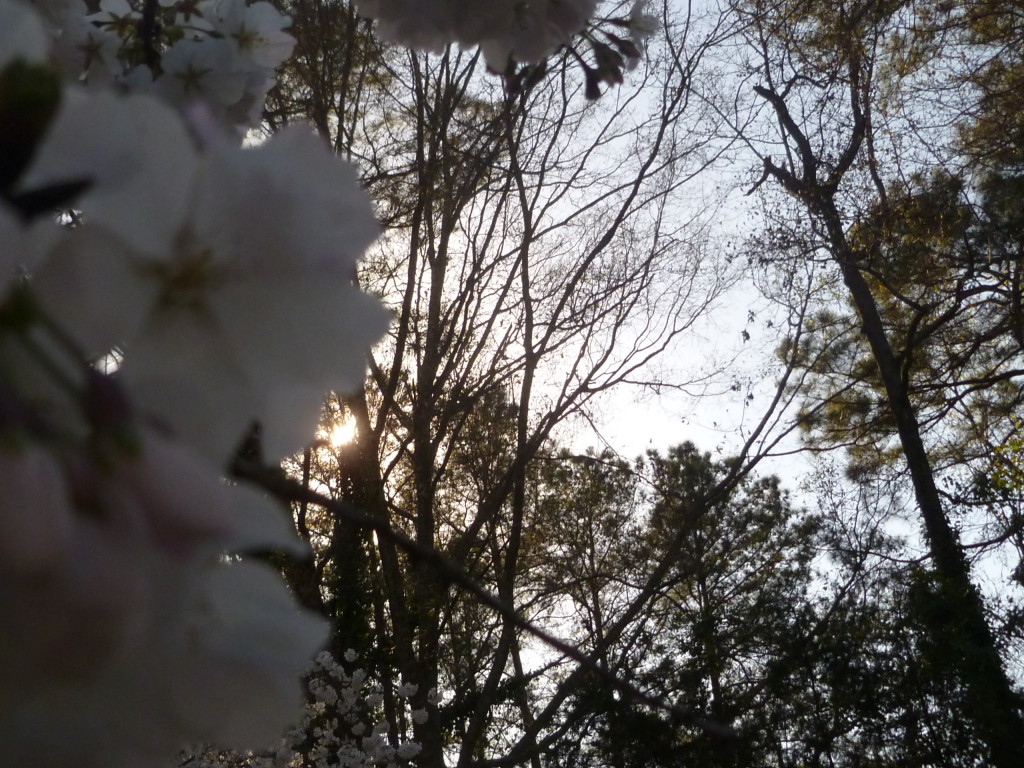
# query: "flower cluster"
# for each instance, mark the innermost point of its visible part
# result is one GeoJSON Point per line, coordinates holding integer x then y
{"type": "Point", "coordinates": [511, 32]}
{"type": "Point", "coordinates": [341, 725]}
{"type": "Point", "coordinates": [220, 53]}
{"type": "Point", "coordinates": [162, 290]}
{"type": "Point", "coordinates": [524, 31]}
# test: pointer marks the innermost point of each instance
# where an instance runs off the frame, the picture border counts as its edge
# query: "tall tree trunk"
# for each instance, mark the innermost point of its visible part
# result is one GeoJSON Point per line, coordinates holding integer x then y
{"type": "Point", "coordinates": [994, 706]}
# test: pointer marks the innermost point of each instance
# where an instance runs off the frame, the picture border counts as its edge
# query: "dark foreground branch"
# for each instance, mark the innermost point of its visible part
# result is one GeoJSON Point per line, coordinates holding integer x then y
{"type": "Point", "coordinates": [286, 489]}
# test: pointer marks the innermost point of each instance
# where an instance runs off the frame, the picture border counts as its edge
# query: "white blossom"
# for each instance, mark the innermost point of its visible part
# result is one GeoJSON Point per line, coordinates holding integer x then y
{"type": "Point", "coordinates": [525, 31]}
{"type": "Point", "coordinates": [405, 690]}
{"type": "Point", "coordinates": [259, 287]}
{"type": "Point", "coordinates": [134, 634]}
{"type": "Point", "coordinates": [206, 70]}
{"type": "Point", "coordinates": [407, 750]}
{"type": "Point", "coordinates": [257, 30]}
{"type": "Point", "coordinates": [136, 156]}
{"type": "Point", "coordinates": [80, 284]}
{"type": "Point", "coordinates": [22, 34]}
{"type": "Point", "coordinates": [230, 276]}
{"type": "Point", "coordinates": [87, 52]}
{"type": "Point", "coordinates": [642, 25]}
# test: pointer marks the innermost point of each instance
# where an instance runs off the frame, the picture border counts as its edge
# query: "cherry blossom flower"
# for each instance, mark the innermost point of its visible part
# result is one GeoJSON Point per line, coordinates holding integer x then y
{"type": "Point", "coordinates": [233, 274]}
{"type": "Point", "coordinates": [136, 156]}
{"type": "Point", "coordinates": [22, 34]}
{"type": "Point", "coordinates": [525, 32]}
{"type": "Point", "coordinates": [405, 690]}
{"type": "Point", "coordinates": [135, 634]}
{"type": "Point", "coordinates": [205, 70]}
{"type": "Point", "coordinates": [87, 52]}
{"type": "Point", "coordinates": [257, 30]}
{"type": "Point", "coordinates": [407, 750]}
{"type": "Point", "coordinates": [642, 25]}
{"type": "Point", "coordinates": [258, 288]}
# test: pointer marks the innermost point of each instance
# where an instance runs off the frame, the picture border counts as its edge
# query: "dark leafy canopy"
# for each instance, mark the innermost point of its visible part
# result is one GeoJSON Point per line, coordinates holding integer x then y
{"type": "Point", "coordinates": [947, 275]}
{"type": "Point", "coordinates": [942, 249]}
{"type": "Point", "coordinates": [737, 592]}
{"type": "Point", "coordinates": [805, 667]}
{"type": "Point", "coordinates": [845, 116]}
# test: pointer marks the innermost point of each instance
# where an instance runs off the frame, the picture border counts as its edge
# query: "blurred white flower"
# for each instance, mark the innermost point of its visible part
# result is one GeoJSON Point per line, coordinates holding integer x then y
{"type": "Point", "coordinates": [642, 25]}
{"type": "Point", "coordinates": [57, 13]}
{"type": "Point", "coordinates": [535, 31]}
{"type": "Point", "coordinates": [22, 33]}
{"type": "Point", "coordinates": [405, 690]}
{"type": "Point", "coordinates": [258, 288]}
{"type": "Point", "coordinates": [224, 282]}
{"type": "Point", "coordinates": [135, 634]}
{"type": "Point", "coordinates": [87, 52]}
{"type": "Point", "coordinates": [25, 245]}
{"type": "Point", "coordinates": [407, 750]}
{"type": "Point", "coordinates": [237, 682]}
{"type": "Point", "coordinates": [206, 69]}
{"type": "Point", "coordinates": [81, 286]}
{"type": "Point", "coordinates": [136, 156]}
{"type": "Point", "coordinates": [117, 15]}
{"type": "Point", "coordinates": [526, 32]}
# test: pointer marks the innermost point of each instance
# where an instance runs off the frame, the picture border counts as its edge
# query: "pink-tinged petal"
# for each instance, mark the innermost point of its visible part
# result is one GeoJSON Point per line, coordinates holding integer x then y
{"type": "Point", "coordinates": [35, 519]}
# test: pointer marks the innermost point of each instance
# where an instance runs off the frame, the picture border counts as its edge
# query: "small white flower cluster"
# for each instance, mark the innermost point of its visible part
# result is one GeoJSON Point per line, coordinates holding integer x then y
{"type": "Point", "coordinates": [343, 720]}
{"type": "Point", "coordinates": [221, 53]}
